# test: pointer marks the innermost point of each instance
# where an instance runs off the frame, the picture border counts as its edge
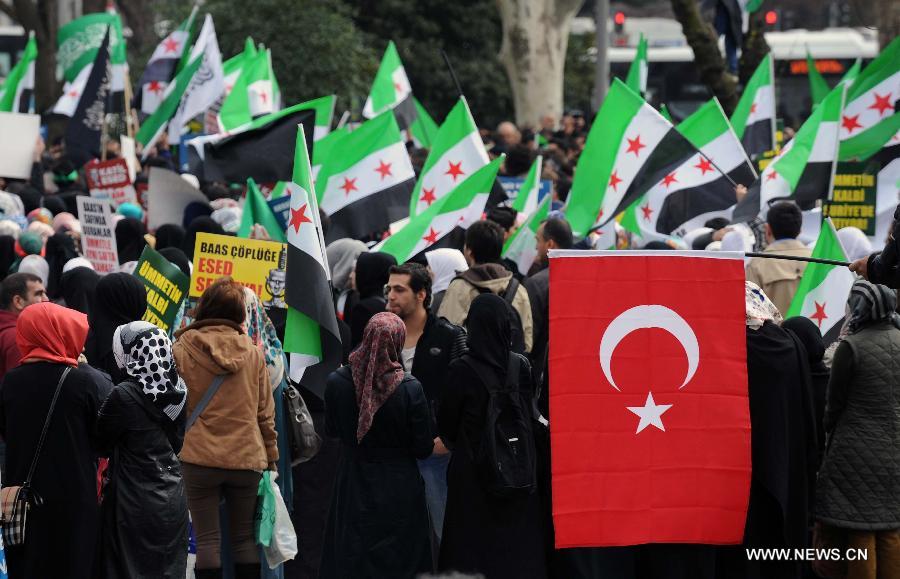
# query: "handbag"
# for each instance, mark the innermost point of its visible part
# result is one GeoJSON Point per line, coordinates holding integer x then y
{"type": "Point", "coordinates": [15, 501]}
{"type": "Point", "coordinates": [302, 436]}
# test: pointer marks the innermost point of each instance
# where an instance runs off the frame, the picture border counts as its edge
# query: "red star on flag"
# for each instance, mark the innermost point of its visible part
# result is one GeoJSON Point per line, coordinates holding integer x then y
{"type": "Point", "coordinates": [772, 176]}
{"type": "Point", "coordinates": [298, 217]}
{"type": "Point", "coordinates": [349, 185]}
{"type": "Point", "coordinates": [647, 212]}
{"type": "Point", "coordinates": [432, 236]}
{"type": "Point", "coordinates": [154, 86]}
{"type": "Point", "coordinates": [669, 179]}
{"type": "Point", "coordinates": [384, 169]}
{"type": "Point", "coordinates": [455, 170]}
{"type": "Point", "coordinates": [264, 97]}
{"type": "Point", "coordinates": [819, 315]}
{"type": "Point", "coordinates": [635, 145]}
{"type": "Point", "coordinates": [704, 165]}
{"type": "Point", "coordinates": [170, 45]}
{"type": "Point", "coordinates": [882, 104]}
{"type": "Point", "coordinates": [850, 123]}
{"type": "Point", "coordinates": [614, 181]}
{"type": "Point", "coordinates": [753, 108]}
{"type": "Point", "coordinates": [427, 196]}
{"type": "Point", "coordinates": [600, 214]}
{"type": "Point", "coordinates": [73, 94]}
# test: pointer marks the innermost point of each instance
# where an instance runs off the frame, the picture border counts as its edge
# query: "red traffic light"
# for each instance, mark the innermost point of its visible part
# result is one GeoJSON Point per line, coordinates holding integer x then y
{"type": "Point", "coordinates": [771, 18]}
{"type": "Point", "coordinates": [619, 18]}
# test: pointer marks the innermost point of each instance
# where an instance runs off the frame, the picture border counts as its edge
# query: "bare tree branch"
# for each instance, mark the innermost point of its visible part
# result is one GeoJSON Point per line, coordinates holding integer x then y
{"type": "Point", "coordinates": [8, 10]}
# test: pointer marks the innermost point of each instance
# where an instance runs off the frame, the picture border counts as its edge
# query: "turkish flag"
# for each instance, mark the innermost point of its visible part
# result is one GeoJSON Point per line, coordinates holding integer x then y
{"type": "Point", "coordinates": [649, 414]}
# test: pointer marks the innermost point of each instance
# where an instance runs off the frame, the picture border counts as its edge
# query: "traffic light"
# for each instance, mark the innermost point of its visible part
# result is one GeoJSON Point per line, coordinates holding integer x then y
{"type": "Point", "coordinates": [619, 21]}
{"type": "Point", "coordinates": [773, 19]}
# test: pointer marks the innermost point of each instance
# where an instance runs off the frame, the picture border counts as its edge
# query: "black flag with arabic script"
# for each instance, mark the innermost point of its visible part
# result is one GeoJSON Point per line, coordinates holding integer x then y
{"type": "Point", "coordinates": [85, 129]}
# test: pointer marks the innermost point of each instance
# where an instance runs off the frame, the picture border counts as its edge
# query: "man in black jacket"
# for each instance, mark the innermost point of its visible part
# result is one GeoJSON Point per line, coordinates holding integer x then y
{"type": "Point", "coordinates": [884, 267]}
{"type": "Point", "coordinates": [431, 344]}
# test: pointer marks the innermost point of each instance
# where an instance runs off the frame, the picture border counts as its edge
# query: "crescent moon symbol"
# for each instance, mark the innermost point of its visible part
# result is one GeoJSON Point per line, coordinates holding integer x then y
{"type": "Point", "coordinates": [645, 317]}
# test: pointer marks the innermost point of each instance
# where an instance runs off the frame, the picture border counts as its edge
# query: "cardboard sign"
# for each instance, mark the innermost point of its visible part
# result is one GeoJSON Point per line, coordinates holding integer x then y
{"type": "Point", "coordinates": [98, 236]}
{"type": "Point", "coordinates": [18, 137]}
{"type": "Point", "coordinates": [854, 197]}
{"type": "Point", "coordinates": [168, 196]}
{"type": "Point", "coordinates": [256, 264]}
{"type": "Point", "coordinates": [110, 180]}
{"type": "Point", "coordinates": [167, 288]}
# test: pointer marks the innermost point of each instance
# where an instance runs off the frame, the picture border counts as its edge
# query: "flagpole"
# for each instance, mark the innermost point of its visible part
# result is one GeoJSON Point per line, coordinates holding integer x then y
{"type": "Point", "coordinates": [452, 73]}
{"type": "Point", "coordinates": [797, 258]}
{"type": "Point", "coordinates": [127, 96]}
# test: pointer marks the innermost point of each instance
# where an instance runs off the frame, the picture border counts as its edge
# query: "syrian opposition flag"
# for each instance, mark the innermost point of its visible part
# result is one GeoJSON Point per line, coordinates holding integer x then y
{"type": "Point", "coordinates": [521, 246]}
{"type": "Point", "coordinates": [462, 207]}
{"type": "Point", "coordinates": [391, 90]}
{"type": "Point", "coordinates": [870, 119]}
{"type": "Point", "coordinates": [526, 201]}
{"type": "Point", "coordinates": [702, 186]}
{"type": "Point", "coordinates": [252, 95]}
{"type": "Point", "coordinates": [637, 72]}
{"type": "Point", "coordinates": [17, 90]}
{"type": "Point", "coordinates": [669, 438]}
{"type": "Point", "coordinates": [311, 334]}
{"type": "Point", "coordinates": [366, 181]}
{"type": "Point", "coordinates": [629, 149]}
{"type": "Point", "coordinates": [423, 129]}
{"type": "Point", "coordinates": [804, 170]}
{"type": "Point", "coordinates": [754, 116]}
{"type": "Point", "coordinates": [456, 152]}
{"type": "Point", "coordinates": [163, 64]}
{"type": "Point", "coordinates": [824, 289]}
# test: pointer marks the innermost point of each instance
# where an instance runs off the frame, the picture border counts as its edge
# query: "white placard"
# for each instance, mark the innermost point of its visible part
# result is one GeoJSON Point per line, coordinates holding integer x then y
{"type": "Point", "coordinates": [18, 136]}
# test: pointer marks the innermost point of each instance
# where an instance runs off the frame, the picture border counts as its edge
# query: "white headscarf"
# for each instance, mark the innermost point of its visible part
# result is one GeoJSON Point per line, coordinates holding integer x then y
{"type": "Point", "coordinates": [445, 263]}
{"type": "Point", "coordinates": [856, 244]}
{"type": "Point", "coordinates": [36, 265]}
{"type": "Point", "coordinates": [342, 254]}
{"type": "Point", "coordinates": [144, 352]}
{"type": "Point", "coordinates": [77, 262]}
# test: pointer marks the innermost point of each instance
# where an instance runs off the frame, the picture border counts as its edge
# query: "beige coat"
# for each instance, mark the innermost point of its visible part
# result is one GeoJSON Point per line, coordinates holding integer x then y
{"type": "Point", "coordinates": [493, 277]}
{"type": "Point", "coordinates": [236, 430]}
{"type": "Point", "coordinates": [779, 278]}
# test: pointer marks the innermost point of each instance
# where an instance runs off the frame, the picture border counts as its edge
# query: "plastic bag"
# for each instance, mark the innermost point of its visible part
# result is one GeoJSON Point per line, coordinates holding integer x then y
{"type": "Point", "coordinates": [283, 546]}
{"type": "Point", "coordinates": [265, 509]}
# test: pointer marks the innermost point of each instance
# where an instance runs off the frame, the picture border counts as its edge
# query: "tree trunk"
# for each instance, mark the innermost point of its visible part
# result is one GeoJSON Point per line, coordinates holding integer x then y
{"type": "Point", "coordinates": [535, 38]}
{"type": "Point", "coordinates": [702, 38]}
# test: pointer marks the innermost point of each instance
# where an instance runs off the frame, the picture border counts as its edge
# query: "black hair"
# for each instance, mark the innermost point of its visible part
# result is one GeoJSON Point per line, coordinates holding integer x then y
{"type": "Point", "coordinates": [15, 285]}
{"type": "Point", "coordinates": [485, 240]}
{"type": "Point", "coordinates": [559, 230]}
{"type": "Point", "coordinates": [785, 220]}
{"type": "Point", "coordinates": [717, 223]}
{"type": "Point", "coordinates": [518, 160]}
{"type": "Point", "coordinates": [419, 278]}
{"type": "Point", "coordinates": [505, 217]}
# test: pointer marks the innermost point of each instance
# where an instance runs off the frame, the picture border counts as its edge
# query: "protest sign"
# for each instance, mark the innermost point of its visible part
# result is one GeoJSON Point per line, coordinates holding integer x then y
{"type": "Point", "coordinates": [256, 264]}
{"type": "Point", "coordinates": [129, 154]}
{"type": "Point", "coordinates": [110, 180]}
{"type": "Point", "coordinates": [18, 137]}
{"type": "Point", "coordinates": [98, 237]}
{"type": "Point", "coordinates": [167, 197]}
{"type": "Point", "coordinates": [511, 186]}
{"type": "Point", "coordinates": [167, 287]}
{"type": "Point", "coordinates": [281, 207]}
{"type": "Point", "coordinates": [853, 200]}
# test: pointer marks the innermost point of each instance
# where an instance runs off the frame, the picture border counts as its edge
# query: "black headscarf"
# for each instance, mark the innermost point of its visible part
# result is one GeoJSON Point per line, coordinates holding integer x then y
{"type": "Point", "coordinates": [809, 335]}
{"type": "Point", "coordinates": [55, 204]}
{"type": "Point", "coordinates": [77, 286]}
{"type": "Point", "coordinates": [202, 224]}
{"type": "Point", "coordinates": [7, 254]}
{"type": "Point", "coordinates": [119, 298]}
{"type": "Point", "coordinates": [372, 273]}
{"type": "Point", "coordinates": [489, 332]}
{"type": "Point", "coordinates": [169, 235]}
{"type": "Point", "coordinates": [59, 250]}
{"type": "Point", "coordinates": [176, 256]}
{"type": "Point", "coordinates": [811, 339]}
{"type": "Point", "coordinates": [130, 240]}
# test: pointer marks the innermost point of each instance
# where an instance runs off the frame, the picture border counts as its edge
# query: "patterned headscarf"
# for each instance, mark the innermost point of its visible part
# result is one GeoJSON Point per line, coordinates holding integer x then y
{"type": "Point", "coordinates": [759, 307]}
{"type": "Point", "coordinates": [262, 331]}
{"type": "Point", "coordinates": [871, 303]}
{"type": "Point", "coordinates": [377, 367]}
{"type": "Point", "coordinates": [144, 352]}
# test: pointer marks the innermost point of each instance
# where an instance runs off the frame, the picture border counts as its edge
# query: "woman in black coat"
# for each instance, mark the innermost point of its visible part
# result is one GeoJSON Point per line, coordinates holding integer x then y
{"type": "Point", "coordinates": [370, 276]}
{"type": "Point", "coordinates": [141, 426]}
{"type": "Point", "coordinates": [119, 298]}
{"type": "Point", "coordinates": [378, 526]}
{"type": "Point", "coordinates": [499, 537]}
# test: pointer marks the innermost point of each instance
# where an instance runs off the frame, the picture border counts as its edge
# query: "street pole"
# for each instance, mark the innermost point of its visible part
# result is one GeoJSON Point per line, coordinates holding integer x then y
{"type": "Point", "coordinates": [601, 74]}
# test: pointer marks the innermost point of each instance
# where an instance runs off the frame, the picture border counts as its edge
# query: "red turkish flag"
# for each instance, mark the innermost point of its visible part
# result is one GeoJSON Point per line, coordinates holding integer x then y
{"type": "Point", "coordinates": [649, 415]}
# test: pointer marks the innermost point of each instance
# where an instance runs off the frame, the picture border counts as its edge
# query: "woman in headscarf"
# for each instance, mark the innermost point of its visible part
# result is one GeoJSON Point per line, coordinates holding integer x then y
{"type": "Point", "coordinates": [141, 427]}
{"type": "Point", "coordinates": [342, 255]}
{"type": "Point", "coordinates": [169, 235]}
{"type": "Point", "coordinates": [370, 276]}
{"type": "Point", "coordinates": [37, 265]}
{"type": "Point", "coordinates": [177, 258]}
{"type": "Point", "coordinates": [60, 251]}
{"type": "Point", "coordinates": [65, 222]}
{"type": "Point", "coordinates": [62, 530]}
{"type": "Point", "coordinates": [498, 537]}
{"type": "Point", "coordinates": [78, 286]}
{"type": "Point", "coordinates": [119, 298]}
{"type": "Point", "coordinates": [444, 263]}
{"type": "Point", "coordinates": [784, 451]}
{"type": "Point", "coordinates": [201, 224]}
{"type": "Point", "coordinates": [811, 338]}
{"type": "Point", "coordinates": [378, 525]}
{"type": "Point", "coordinates": [859, 483]}
{"type": "Point", "coordinates": [130, 240]}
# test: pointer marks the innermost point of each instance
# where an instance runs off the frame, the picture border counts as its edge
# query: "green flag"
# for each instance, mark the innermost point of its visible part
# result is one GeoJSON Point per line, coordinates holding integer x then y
{"type": "Point", "coordinates": [423, 129]}
{"type": "Point", "coordinates": [521, 246]}
{"type": "Point", "coordinates": [637, 72]}
{"type": "Point", "coordinates": [253, 93]}
{"type": "Point", "coordinates": [527, 200]}
{"type": "Point", "coordinates": [16, 91]}
{"type": "Point", "coordinates": [818, 88]}
{"type": "Point", "coordinates": [257, 211]}
{"type": "Point", "coordinates": [390, 87]}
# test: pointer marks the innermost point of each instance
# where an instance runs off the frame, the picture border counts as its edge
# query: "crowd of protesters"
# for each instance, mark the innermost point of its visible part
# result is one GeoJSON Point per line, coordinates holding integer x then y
{"type": "Point", "coordinates": [396, 489]}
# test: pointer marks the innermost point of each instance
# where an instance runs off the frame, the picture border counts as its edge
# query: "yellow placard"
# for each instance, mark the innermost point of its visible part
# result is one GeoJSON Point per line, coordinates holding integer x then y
{"type": "Point", "coordinates": [258, 265]}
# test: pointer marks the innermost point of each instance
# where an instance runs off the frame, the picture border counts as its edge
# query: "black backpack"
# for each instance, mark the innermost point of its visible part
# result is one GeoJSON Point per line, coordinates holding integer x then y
{"type": "Point", "coordinates": [505, 459]}
{"type": "Point", "coordinates": [517, 344]}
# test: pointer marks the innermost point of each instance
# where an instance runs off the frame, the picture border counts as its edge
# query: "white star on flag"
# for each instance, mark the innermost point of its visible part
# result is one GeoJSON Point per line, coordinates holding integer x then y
{"type": "Point", "coordinates": [650, 413]}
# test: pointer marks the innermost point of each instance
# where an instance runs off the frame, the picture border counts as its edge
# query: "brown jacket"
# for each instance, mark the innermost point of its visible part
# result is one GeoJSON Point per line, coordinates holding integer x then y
{"type": "Point", "coordinates": [236, 430]}
{"type": "Point", "coordinates": [779, 278]}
